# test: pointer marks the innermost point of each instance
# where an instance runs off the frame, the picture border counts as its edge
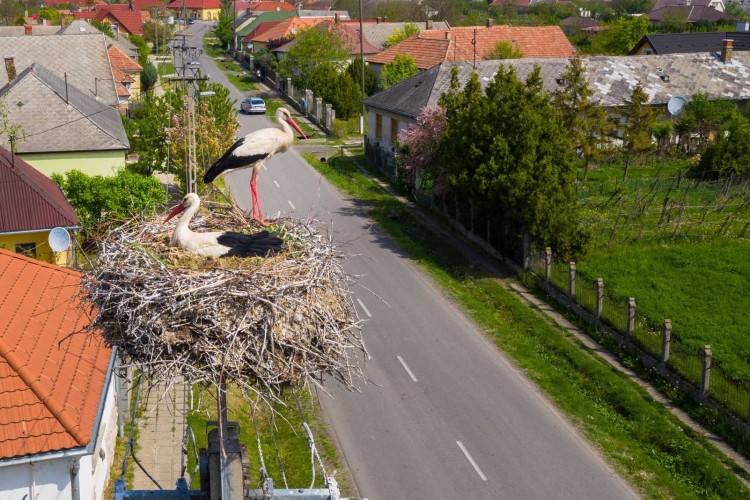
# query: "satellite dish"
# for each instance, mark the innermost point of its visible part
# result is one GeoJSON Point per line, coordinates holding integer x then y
{"type": "Point", "coordinates": [676, 105]}
{"type": "Point", "coordinates": [59, 239]}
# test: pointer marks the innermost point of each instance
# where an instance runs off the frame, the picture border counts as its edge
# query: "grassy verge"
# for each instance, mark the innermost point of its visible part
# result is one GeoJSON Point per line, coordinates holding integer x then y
{"type": "Point", "coordinates": [653, 450]}
{"type": "Point", "coordinates": [286, 436]}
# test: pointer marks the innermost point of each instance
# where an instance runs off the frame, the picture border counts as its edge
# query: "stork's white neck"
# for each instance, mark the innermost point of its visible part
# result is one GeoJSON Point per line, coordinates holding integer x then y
{"type": "Point", "coordinates": [182, 232]}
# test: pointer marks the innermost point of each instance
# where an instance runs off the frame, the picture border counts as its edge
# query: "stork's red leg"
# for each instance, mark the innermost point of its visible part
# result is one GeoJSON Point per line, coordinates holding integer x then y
{"type": "Point", "coordinates": [257, 210]}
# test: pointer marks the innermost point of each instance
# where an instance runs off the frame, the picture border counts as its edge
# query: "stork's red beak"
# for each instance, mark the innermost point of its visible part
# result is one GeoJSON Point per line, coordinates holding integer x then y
{"type": "Point", "coordinates": [176, 210]}
{"type": "Point", "coordinates": [294, 125]}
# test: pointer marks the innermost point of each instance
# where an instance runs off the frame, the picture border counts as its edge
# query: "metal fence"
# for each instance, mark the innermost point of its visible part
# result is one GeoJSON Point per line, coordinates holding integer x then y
{"type": "Point", "coordinates": [686, 365]}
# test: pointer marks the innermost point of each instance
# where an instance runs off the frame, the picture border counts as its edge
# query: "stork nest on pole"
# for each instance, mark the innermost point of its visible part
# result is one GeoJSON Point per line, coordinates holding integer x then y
{"type": "Point", "coordinates": [263, 323]}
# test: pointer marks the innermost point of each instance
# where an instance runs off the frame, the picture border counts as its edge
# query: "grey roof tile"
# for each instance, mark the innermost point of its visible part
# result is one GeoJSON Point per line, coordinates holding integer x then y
{"type": "Point", "coordinates": [378, 33]}
{"type": "Point", "coordinates": [37, 102]}
{"type": "Point", "coordinates": [83, 58]}
{"type": "Point", "coordinates": [611, 77]}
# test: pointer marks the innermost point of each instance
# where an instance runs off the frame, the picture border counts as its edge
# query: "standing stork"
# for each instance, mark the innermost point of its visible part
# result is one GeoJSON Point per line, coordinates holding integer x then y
{"type": "Point", "coordinates": [218, 243]}
{"type": "Point", "coordinates": [253, 150]}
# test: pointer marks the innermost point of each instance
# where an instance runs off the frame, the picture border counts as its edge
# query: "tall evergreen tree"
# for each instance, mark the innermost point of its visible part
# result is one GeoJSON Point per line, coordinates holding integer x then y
{"type": "Point", "coordinates": [511, 158]}
{"type": "Point", "coordinates": [636, 131]}
{"type": "Point", "coordinates": [584, 120]}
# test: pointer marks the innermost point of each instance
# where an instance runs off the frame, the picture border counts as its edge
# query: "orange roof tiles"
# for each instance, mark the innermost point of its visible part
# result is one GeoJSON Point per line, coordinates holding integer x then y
{"type": "Point", "coordinates": [265, 6]}
{"type": "Point", "coordinates": [52, 375]}
{"type": "Point", "coordinates": [288, 26]}
{"type": "Point", "coordinates": [131, 20]}
{"type": "Point", "coordinates": [533, 41]}
{"type": "Point", "coordinates": [118, 59]}
{"type": "Point", "coordinates": [426, 52]}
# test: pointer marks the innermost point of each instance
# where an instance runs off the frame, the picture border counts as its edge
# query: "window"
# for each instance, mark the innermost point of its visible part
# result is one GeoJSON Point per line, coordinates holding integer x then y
{"type": "Point", "coordinates": [378, 126]}
{"type": "Point", "coordinates": [647, 52]}
{"type": "Point", "coordinates": [27, 249]}
{"type": "Point", "coordinates": [394, 131]}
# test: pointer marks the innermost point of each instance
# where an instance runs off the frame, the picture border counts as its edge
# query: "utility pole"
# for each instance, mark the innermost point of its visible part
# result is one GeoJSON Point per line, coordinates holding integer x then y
{"type": "Point", "coordinates": [192, 161]}
{"type": "Point", "coordinates": [362, 60]}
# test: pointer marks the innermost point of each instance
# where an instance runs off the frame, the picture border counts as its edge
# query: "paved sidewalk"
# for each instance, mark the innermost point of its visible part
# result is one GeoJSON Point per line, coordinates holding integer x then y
{"type": "Point", "coordinates": [160, 430]}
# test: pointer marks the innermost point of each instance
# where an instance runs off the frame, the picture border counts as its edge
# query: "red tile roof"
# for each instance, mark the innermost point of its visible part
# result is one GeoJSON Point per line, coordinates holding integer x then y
{"type": "Point", "coordinates": [533, 41]}
{"type": "Point", "coordinates": [131, 20]}
{"type": "Point", "coordinates": [29, 200]}
{"type": "Point", "coordinates": [148, 4]}
{"type": "Point", "coordinates": [195, 4]}
{"type": "Point", "coordinates": [269, 6]}
{"type": "Point", "coordinates": [87, 15]}
{"type": "Point", "coordinates": [288, 26]}
{"type": "Point", "coordinates": [118, 59]}
{"type": "Point", "coordinates": [349, 34]}
{"type": "Point", "coordinates": [259, 30]}
{"type": "Point", "coordinates": [52, 375]}
{"type": "Point", "coordinates": [426, 52]}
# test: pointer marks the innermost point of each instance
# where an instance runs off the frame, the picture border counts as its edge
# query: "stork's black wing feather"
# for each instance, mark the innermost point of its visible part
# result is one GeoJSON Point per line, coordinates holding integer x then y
{"type": "Point", "coordinates": [245, 245]}
{"type": "Point", "coordinates": [229, 162]}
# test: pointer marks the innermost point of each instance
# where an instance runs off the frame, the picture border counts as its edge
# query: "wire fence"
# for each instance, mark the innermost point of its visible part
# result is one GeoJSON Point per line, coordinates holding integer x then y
{"type": "Point", "coordinates": [643, 335]}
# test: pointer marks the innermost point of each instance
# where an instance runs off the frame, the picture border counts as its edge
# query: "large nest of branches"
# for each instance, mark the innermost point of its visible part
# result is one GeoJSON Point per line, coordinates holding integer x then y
{"type": "Point", "coordinates": [263, 323]}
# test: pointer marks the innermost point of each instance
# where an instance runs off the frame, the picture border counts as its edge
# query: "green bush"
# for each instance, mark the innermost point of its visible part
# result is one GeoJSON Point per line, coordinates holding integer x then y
{"type": "Point", "coordinates": [98, 199]}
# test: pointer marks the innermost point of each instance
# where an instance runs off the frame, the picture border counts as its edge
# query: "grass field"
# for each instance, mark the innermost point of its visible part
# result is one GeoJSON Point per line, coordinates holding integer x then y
{"type": "Point", "coordinates": [681, 248]}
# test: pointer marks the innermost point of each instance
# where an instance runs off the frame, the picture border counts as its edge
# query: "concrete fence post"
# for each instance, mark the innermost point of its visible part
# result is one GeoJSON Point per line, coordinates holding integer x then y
{"type": "Point", "coordinates": [631, 319]}
{"type": "Point", "coordinates": [599, 302]}
{"type": "Point", "coordinates": [571, 283]}
{"type": "Point", "coordinates": [289, 87]}
{"type": "Point", "coordinates": [706, 358]}
{"type": "Point", "coordinates": [666, 338]}
{"type": "Point", "coordinates": [547, 265]}
{"type": "Point", "coordinates": [308, 101]}
{"type": "Point", "coordinates": [318, 109]}
{"type": "Point", "coordinates": [329, 117]}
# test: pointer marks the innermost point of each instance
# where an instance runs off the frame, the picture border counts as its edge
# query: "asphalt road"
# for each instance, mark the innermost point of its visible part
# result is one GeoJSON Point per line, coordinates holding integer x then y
{"type": "Point", "coordinates": [443, 414]}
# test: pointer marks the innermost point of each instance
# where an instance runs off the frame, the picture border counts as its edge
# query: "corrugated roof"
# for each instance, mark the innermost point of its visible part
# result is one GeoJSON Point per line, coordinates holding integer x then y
{"type": "Point", "coordinates": [56, 117]}
{"type": "Point", "coordinates": [52, 375]}
{"type": "Point", "coordinates": [29, 200]}
{"type": "Point", "coordinates": [612, 78]}
{"type": "Point", "coordinates": [83, 58]}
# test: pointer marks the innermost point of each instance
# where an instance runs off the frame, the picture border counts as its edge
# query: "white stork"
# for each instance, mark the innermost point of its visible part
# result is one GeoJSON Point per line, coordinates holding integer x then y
{"type": "Point", "coordinates": [253, 150]}
{"type": "Point", "coordinates": [220, 243]}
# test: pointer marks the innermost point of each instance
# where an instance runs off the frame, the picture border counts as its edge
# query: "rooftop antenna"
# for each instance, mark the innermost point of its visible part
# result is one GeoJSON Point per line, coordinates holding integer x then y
{"type": "Point", "coordinates": [66, 87]}
{"type": "Point", "coordinates": [12, 139]}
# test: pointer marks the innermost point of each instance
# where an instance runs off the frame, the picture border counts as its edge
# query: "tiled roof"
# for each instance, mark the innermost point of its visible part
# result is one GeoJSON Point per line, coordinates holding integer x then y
{"type": "Point", "coordinates": [259, 30]}
{"type": "Point", "coordinates": [52, 375]}
{"type": "Point", "coordinates": [579, 22]}
{"type": "Point", "coordinates": [195, 4]}
{"type": "Point", "coordinates": [289, 26]}
{"type": "Point", "coordinates": [680, 43]}
{"type": "Point", "coordinates": [324, 13]}
{"type": "Point", "coordinates": [148, 5]}
{"type": "Point", "coordinates": [349, 34]}
{"type": "Point", "coordinates": [131, 20]}
{"type": "Point", "coordinates": [79, 27]}
{"type": "Point", "coordinates": [51, 124]}
{"type": "Point", "coordinates": [426, 52]}
{"type": "Point", "coordinates": [264, 17]}
{"type": "Point", "coordinates": [83, 58]}
{"type": "Point", "coordinates": [378, 32]}
{"type": "Point", "coordinates": [36, 29]}
{"type": "Point", "coordinates": [612, 78]}
{"type": "Point", "coordinates": [87, 14]}
{"type": "Point", "coordinates": [265, 6]}
{"type": "Point", "coordinates": [691, 13]}
{"type": "Point", "coordinates": [121, 61]}
{"type": "Point", "coordinates": [660, 4]}
{"type": "Point", "coordinates": [533, 41]}
{"type": "Point", "coordinates": [29, 200]}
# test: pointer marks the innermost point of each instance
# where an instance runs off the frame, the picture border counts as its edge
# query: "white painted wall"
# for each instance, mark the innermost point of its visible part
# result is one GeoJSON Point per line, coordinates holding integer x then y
{"type": "Point", "coordinates": [51, 479]}
{"type": "Point", "coordinates": [385, 139]}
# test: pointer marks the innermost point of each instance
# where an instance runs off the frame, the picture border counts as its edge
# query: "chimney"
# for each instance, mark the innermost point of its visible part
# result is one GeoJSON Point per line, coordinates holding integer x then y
{"type": "Point", "coordinates": [10, 68]}
{"type": "Point", "coordinates": [726, 50]}
{"type": "Point", "coordinates": [447, 35]}
{"type": "Point", "coordinates": [27, 29]}
{"type": "Point", "coordinates": [489, 22]}
{"type": "Point", "coordinates": [336, 17]}
{"type": "Point", "coordinates": [130, 5]}
{"type": "Point", "coordinates": [385, 19]}
{"type": "Point", "coordinates": [428, 24]}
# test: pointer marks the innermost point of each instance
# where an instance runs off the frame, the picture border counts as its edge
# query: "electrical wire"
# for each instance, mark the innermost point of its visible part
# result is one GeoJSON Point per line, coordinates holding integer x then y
{"type": "Point", "coordinates": [263, 470]}
{"type": "Point", "coordinates": [276, 446]}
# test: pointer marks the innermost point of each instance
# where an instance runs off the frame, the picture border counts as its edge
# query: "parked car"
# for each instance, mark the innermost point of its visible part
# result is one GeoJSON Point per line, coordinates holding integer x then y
{"type": "Point", "coordinates": [253, 105]}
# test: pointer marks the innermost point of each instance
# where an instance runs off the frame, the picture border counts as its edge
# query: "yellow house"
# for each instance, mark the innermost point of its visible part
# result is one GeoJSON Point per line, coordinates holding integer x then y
{"type": "Point", "coordinates": [206, 10]}
{"type": "Point", "coordinates": [31, 207]}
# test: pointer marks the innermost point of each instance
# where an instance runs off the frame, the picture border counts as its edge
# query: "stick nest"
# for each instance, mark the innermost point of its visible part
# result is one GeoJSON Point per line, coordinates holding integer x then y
{"type": "Point", "coordinates": [263, 323]}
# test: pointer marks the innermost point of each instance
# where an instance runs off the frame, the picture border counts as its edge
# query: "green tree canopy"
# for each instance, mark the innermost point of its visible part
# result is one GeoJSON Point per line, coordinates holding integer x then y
{"type": "Point", "coordinates": [624, 33]}
{"type": "Point", "coordinates": [158, 34]}
{"type": "Point", "coordinates": [510, 157]}
{"type": "Point", "coordinates": [401, 68]}
{"type": "Point", "coordinates": [314, 47]}
{"type": "Point", "coordinates": [639, 120]}
{"type": "Point", "coordinates": [504, 50]}
{"type": "Point", "coordinates": [354, 70]}
{"type": "Point", "coordinates": [50, 14]}
{"type": "Point", "coordinates": [224, 31]}
{"type": "Point", "coordinates": [584, 120]}
{"type": "Point", "coordinates": [701, 119]}
{"type": "Point", "coordinates": [103, 26]}
{"type": "Point", "coordinates": [729, 154]}
{"type": "Point", "coordinates": [149, 77]}
{"type": "Point", "coordinates": [399, 35]}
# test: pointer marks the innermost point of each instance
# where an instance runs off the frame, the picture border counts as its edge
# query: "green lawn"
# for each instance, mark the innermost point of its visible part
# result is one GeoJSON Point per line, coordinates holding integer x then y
{"type": "Point", "coordinates": [681, 248]}
{"type": "Point", "coordinates": [641, 439]}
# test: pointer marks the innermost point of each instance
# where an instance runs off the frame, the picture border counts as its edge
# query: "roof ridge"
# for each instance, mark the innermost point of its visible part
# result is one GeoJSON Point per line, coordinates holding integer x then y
{"type": "Point", "coordinates": [45, 79]}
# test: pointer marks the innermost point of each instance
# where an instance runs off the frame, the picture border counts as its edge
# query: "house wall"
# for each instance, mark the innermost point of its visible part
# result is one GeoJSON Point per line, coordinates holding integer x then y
{"type": "Point", "coordinates": [51, 479]}
{"type": "Point", "coordinates": [208, 14]}
{"type": "Point", "coordinates": [391, 125]}
{"type": "Point", "coordinates": [104, 163]}
{"type": "Point", "coordinates": [645, 50]}
{"type": "Point", "coordinates": [8, 241]}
